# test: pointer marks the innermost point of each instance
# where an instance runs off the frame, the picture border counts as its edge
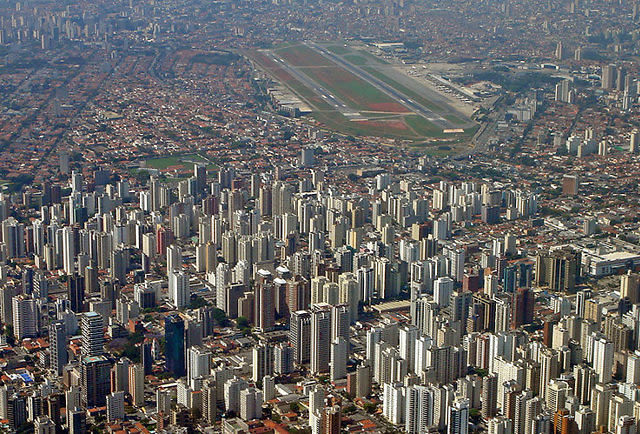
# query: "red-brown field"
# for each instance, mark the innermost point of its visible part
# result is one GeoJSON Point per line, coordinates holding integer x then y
{"type": "Point", "coordinates": [391, 124]}
{"type": "Point", "coordinates": [303, 56]}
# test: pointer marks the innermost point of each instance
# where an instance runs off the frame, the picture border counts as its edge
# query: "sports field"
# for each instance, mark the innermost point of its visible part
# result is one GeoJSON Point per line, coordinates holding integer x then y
{"type": "Point", "coordinates": [178, 161]}
{"type": "Point", "coordinates": [349, 92]}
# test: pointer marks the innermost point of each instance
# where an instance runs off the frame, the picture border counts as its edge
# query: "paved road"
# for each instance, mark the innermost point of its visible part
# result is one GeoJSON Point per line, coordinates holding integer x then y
{"type": "Point", "coordinates": [384, 87]}
{"type": "Point", "coordinates": [487, 132]}
{"type": "Point", "coordinates": [481, 140]}
{"type": "Point", "coordinates": [329, 98]}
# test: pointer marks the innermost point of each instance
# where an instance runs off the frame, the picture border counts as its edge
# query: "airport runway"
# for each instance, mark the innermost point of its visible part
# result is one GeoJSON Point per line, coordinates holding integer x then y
{"type": "Point", "coordinates": [381, 85]}
{"type": "Point", "coordinates": [329, 98]}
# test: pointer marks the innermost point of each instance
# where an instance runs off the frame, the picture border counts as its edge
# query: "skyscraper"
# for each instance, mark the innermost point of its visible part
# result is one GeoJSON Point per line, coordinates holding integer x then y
{"type": "Point", "coordinates": [92, 334]}
{"type": "Point", "coordinates": [558, 269]}
{"type": "Point", "coordinates": [136, 385]}
{"type": "Point", "coordinates": [16, 411]}
{"type": "Point", "coordinates": [250, 404]}
{"type": "Point", "coordinates": [68, 250]}
{"type": "Point", "coordinates": [115, 406]}
{"type": "Point", "coordinates": [560, 51]}
{"type": "Point", "coordinates": [350, 294]}
{"type": "Point", "coordinates": [489, 396]}
{"type": "Point", "coordinates": [174, 345]}
{"type": "Point", "coordinates": [120, 375]}
{"type": "Point", "coordinates": [25, 317]}
{"type": "Point", "coordinates": [96, 383]}
{"type": "Point", "coordinates": [408, 335]}
{"type": "Point", "coordinates": [393, 402]}
{"type": "Point", "coordinates": [339, 354]}
{"type": "Point", "coordinates": [363, 381]}
{"type": "Point", "coordinates": [603, 359]}
{"type": "Point", "coordinates": [634, 142]}
{"type": "Point", "coordinates": [320, 338]}
{"type": "Point", "coordinates": [459, 417]}
{"type": "Point", "coordinates": [316, 404]}
{"type": "Point", "coordinates": [265, 310]}
{"type": "Point", "coordinates": [200, 174]}
{"type": "Point", "coordinates": [442, 290]}
{"type": "Point", "coordinates": [340, 317]}
{"type": "Point", "coordinates": [522, 307]}
{"type": "Point", "coordinates": [77, 421]}
{"type": "Point", "coordinates": [306, 157]}
{"type": "Point", "coordinates": [232, 388]}
{"type": "Point", "coordinates": [13, 237]}
{"type": "Point", "coordinates": [300, 336]}
{"type": "Point", "coordinates": [91, 279]}
{"type": "Point", "coordinates": [118, 266]}
{"type": "Point", "coordinates": [58, 346]}
{"type": "Point", "coordinates": [456, 259]}
{"type": "Point", "coordinates": [557, 394]}
{"type": "Point", "coordinates": [262, 361]}
{"type": "Point", "coordinates": [198, 362]}
{"type": "Point", "coordinates": [419, 403]}
{"type": "Point", "coordinates": [179, 292]}
{"type": "Point", "coordinates": [283, 359]}
{"type": "Point", "coordinates": [146, 357]}
{"type": "Point", "coordinates": [75, 288]}
{"type": "Point", "coordinates": [268, 388]}
{"type": "Point", "coordinates": [331, 420]}
{"type": "Point", "coordinates": [174, 259]}
{"type": "Point", "coordinates": [608, 76]}
{"type": "Point", "coordinates": [209, 401]}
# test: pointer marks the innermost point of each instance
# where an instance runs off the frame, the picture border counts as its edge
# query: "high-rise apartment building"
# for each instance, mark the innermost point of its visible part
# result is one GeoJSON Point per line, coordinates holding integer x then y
{"type": "Point", "coordinates": [91, 326]}
{"type": "Point", "coordinates": [320, 338]}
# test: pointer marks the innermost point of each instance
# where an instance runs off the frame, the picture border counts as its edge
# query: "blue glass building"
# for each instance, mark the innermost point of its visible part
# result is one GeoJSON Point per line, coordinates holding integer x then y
{"type": "Point", "coordinates": [174, 345]}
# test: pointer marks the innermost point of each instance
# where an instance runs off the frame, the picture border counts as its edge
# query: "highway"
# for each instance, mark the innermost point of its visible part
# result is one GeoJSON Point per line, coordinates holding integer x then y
{"type": "Point", "coordinates": [384, 87]}
{"type": "Point", "coordinates": [486, 132]}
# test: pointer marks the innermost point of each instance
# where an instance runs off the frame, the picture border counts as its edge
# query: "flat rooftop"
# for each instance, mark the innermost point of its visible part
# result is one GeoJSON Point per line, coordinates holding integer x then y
{"type": "Point", "coordinates": [392, 306]}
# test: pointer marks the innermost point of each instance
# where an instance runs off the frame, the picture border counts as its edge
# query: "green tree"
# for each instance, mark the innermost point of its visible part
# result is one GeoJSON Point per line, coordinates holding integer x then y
{"type": "Point", "coordinates": [11, 338]}
{"type": "Point", "coordinates": [242, 322]}
{"type": "Point", "coordinates": [220, 317]}
{"type": "Point", "coordinates": [481, 372]}
{"type": "Point", "coordinates": [198, 302]}
{"type": "Point", "coordinates": [370, 407]}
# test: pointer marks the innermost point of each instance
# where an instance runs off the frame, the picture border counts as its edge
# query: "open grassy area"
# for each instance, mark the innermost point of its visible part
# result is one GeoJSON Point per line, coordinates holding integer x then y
{"type": "Point", "coordinates": [355, 92]}
{"type": "Point", "coordinates": [338, 49]}
{"type": "Point", "coordinates": [356, 59]}
{"type": "Point", "coordinates": [401, 88]}
{"type": "Point", "coordinates": [376, 59]}
{"type": "Point", "coordinates": [185, 160]}
{"type": "Point", "coordinates": [470, 132]}
{"type": "Point", "coordinates": [303, 56]}
{"type": "Point", "coordinates": [423, 127]}
{"type": "Point", "coordinates": [454, 119]}
{"type": "Point", "coordinates": [377, 128]}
